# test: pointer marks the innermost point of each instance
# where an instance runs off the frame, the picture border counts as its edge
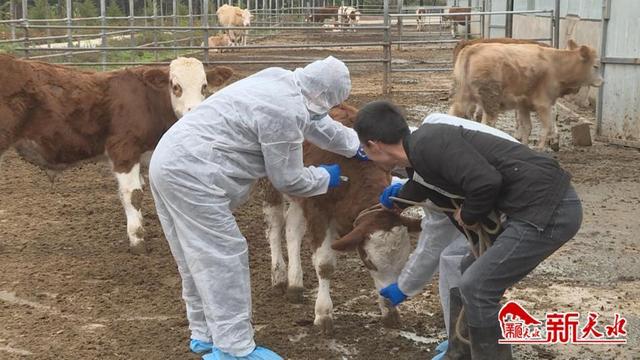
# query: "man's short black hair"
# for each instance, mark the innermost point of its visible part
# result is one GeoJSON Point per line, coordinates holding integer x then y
{"type": "Point", "coordinates": [381, 121]}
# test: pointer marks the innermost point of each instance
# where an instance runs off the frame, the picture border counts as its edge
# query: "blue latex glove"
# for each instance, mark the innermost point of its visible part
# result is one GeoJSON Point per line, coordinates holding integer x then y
{"type": "Point", "coordinates": [199, 346]}
{"type": "Point", "coordinates": [259, 353]}
{"type": "Point", "coordinates": [391, 190]}
{"type": "Point", "coordinates": [334, 174]}
{"type": "Point", "coordinates": [361, 155]}
{"type": "Point", "coordinates": [394, 294]}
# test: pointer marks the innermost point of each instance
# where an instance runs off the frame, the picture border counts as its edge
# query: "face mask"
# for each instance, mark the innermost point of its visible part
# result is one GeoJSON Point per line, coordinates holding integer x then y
{"type": "Point", "coordinates": [316, 117]}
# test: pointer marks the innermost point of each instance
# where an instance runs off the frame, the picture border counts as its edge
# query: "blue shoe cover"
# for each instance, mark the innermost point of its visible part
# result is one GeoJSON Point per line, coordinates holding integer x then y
{"type": "Point", "coordinates": [442, 347]}
{"type": "Point", "coordinates": [259, 353]}
{"type": "Point", "coordinates": [199, 346]}
{"type": "Point", "coordinates": [440, 356]}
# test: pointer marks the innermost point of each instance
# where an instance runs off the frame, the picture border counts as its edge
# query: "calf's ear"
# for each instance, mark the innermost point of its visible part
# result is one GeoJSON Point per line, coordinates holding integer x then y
{"type": "Point", "coordinates": [413, 225]}
{"type": "Point", "coordinates": [218, 75]}
{"type": "Point", "coordinates": [571, 44]}
{"type": "Point", "coordinates": [350, 241]}
{"type": "Point", "coordinates": [157, 78]}
{"type": "Point", "coordinates": [585, 53]}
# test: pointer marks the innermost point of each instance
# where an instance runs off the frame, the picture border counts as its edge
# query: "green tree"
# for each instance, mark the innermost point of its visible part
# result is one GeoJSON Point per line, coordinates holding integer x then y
{"type": "Point", "coordinates": [41, 10]}
{"type": "Point", "coordinates": [114, 10]}
{"type": "Point", "coordinates": [85, 9]}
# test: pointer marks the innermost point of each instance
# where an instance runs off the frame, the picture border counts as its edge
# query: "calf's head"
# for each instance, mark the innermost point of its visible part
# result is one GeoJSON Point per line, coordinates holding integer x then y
{"type": "Point", "coordinates": [187, 81]}
{"type": "Point", "coordinates": [587, 68]}
{"type": "Point", "coordinates": [246, 17]}
{"type": "Point", "coordinates": [381, 238]}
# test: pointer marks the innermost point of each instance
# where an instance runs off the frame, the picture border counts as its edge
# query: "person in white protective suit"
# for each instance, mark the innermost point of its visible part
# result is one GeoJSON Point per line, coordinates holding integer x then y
{"type": "Point", "coordinates": [441, 246]}
{"type": "Point", "coordinates": [204, 167]}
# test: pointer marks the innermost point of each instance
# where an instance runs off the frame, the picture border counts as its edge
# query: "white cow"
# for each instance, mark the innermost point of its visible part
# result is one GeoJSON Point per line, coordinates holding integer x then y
{"type": "Point", "coordinates": [233, 16]}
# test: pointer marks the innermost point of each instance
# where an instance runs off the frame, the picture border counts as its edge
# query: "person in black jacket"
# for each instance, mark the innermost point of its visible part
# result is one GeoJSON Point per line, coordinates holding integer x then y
{"type": "Point", "coordinates": [483, 173]}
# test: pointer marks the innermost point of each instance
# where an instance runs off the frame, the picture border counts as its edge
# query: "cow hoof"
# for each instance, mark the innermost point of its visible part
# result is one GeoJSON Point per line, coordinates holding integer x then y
{"type": "Point", "coordinates": [295, 295]}
{"type": "Point", "coordinates": [391, 320]}
{"type": "Point", "coordinates": [555, 146]}
{"type": "Point", "coordinates": [138, 249]}
{"type": "Point", "coordinates": [325, 324]}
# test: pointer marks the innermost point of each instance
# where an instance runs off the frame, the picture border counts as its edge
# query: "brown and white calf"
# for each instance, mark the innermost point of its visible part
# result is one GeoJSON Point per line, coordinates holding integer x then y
{"type": "Point", "coordinates": [57, 116]}
{"type": "Point", "coordinates": [348, 17]}
{"type": "Point", "coordinates": [381, 237]}
{"type": "Point", "coordinates": [455, 20]}
{"type": "Point", "coordinates": [526, 77]}
{"type": "Point", "coordinates": [420, 21]}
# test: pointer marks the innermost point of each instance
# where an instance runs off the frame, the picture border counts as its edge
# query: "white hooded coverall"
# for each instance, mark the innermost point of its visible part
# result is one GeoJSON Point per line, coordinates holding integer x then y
{"type": "Point", "coordinates": [204, 167]}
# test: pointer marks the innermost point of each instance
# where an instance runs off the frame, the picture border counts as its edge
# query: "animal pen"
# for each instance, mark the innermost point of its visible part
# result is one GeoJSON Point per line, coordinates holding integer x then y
{"type": "Point", "coordinates": [70, 289]}
{"type": "Point", "coordinates": [108, 42]}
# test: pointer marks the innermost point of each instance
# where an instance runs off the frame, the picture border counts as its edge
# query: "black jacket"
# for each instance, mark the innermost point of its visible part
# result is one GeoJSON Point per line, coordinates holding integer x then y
{"type": "Point", "coordinates": [487, 171]}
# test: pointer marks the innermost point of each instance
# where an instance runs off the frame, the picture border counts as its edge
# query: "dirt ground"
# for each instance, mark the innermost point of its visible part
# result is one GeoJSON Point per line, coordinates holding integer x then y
{"type": "Point", "coordinates": [69, 289]}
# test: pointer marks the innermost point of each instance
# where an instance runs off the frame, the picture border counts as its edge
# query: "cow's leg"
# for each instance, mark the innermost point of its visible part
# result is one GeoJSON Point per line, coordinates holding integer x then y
{"type": "Point", "coordinates": [296, 226]}
{"type": "Point", "coordinates": [390, 314]}
{"type": "Point", "coordinates": [130, 186]}
{"type": "Point", "coordinates": [274, 217]}
{"type": "Point", "coordinates": [324, 261]}
{"type": "Point", "coordinates": [548, 131]}
{"type": "Point", "coordinates": [8, 128]}
{"type": "Point", "coordinates": [489, 118]}
{"type": "Point", "coordinates": [523, 123]}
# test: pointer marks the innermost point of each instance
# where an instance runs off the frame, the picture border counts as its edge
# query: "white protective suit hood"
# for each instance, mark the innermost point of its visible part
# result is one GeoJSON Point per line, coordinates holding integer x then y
{"type": "Point", "coordinates": [324, 84]}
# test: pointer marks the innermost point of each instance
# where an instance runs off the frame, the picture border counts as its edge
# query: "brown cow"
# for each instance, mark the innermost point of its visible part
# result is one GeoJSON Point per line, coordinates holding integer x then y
{"type": "Point", "coordinates": [381, 237]}
{"type": "Point", "coordinates": [526, 77]}
{"type": "Point", "coordinates": [321, 14]}
{"type": "Point", "coordinates": [57, 116]}
{"type": "Point", "coordinates": [455, 20]}
{"type": "Point", "coordinates": [464, 43]}
{"type": "Point", "coordinates": [475, 112]}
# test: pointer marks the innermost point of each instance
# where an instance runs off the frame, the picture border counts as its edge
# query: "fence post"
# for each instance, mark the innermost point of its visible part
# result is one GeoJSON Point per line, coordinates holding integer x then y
{"type": "Point", "coordinates": [25, 22]}
{"type": "Point", "coordinates": [205, 25]}
{"type": "Point", "coordinates": [132, 23]}
{"type": "Point", "coordinates": [508, 27]}
{"type": "Point", "coordinates": [190, 5]}
{"type": "Point", "coordinates": [556, 22]}
{"type": "Point", "coordinates": [386, 73]}
{"type": "Point", "coordinates": [69, 31]}
{"type": "Point", "coordinates": [154, 22]}
{"type": "Point", "coordinates": [103, 34]}
{"type": "Point", "coordinates": [12, 16]}
{"type": "Point", "coordinates": [399, 22]}
{"type": "Point", "coordinates": [175, 23]}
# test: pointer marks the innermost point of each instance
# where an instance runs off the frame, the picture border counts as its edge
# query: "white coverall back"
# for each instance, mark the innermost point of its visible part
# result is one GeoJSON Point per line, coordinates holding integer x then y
{"type": "Point", "coordinates": [205, 165]}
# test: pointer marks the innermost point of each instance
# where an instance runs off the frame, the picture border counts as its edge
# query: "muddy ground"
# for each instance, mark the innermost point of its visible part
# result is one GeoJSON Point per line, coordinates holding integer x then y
{"type": "Point", "coordinates": [69, 289]}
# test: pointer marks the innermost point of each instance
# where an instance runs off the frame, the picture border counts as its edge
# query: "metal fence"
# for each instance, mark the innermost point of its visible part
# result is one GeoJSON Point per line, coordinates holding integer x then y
{"type": "Point", "coordinates": [105, 41]}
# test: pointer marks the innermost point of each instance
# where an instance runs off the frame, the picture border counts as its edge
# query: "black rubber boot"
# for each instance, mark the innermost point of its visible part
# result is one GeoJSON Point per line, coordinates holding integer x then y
{"type": "Point", "coordinates": [457, 349]}
{"type": "Point", "coordinates": [484, 344]}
